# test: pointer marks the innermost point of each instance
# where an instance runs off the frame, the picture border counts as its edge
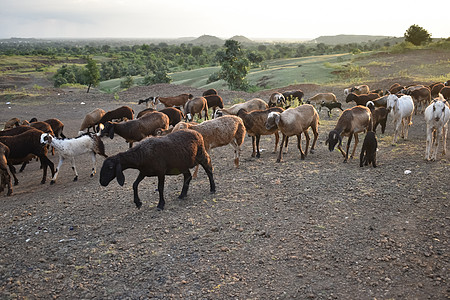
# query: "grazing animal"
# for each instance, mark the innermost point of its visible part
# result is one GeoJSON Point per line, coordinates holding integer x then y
{"type": "Point", "coordinates": [138, 129]}
{"type": "Point", "coordinates": [295, 121]}
{"type": "Point", "coordinates": [196, 106]}
{"type": "Point", "coordinates": [175, 115]}
{"type": "Point", "coordinates": [179, 100]}
{"type": "Point", "coordinates": [22, 146]}
{"type": "Point", "coordinates": [437, 115]}
{"type": "Point", "coordinates": [361, 99]}
{"type": "Point", "coordinates": [5, 178]}
{"type": "Point", "coordinates": [436, 89]}
{"type": "Point", "coordinates": [69, 148]}
{"type": "Point", "coordinates": [351, 122]}
{"type": "Point", "coordinates": [255, 125]}
{"type": "Point", "coordinates": [445, 92]}
{"type": "Point", "coordinates": [276, 100]}
{"type": "Point", "coordinates": [215, 102]}
{"type": "Point", "coordinates": [395, 88]}
{"type": "Point", "coordinates": [421, 97]}
{"type": "Point", "coordinates": [401, 111]}
{"type": "Point", "coordinates": [249, 106]}
{"type": "Point", "coordinates": [219, 132]}
{"type": "Point", "coordinates": [119, 114]}
{"type": "Point", "coordinates": [172, 154]}
{"type": "Point", "coordinates": [290, 97]}
{"type": "Point", "coordinates": [379, 116]}
{"type": "Point", "coordinates": [14, 122]}
{"type": "Point", "coordinates": [318, 98]}
{"type": "Point", "coordinates": [369, 150]}
{"type": "Point", "coordinates": [91, 120]}
{"type": "Point", "coordinates": [330, 106]}
{"type": "Point", "coordinates": [360, 89]}
{"type": "Point", "coordinates": [210, 92]}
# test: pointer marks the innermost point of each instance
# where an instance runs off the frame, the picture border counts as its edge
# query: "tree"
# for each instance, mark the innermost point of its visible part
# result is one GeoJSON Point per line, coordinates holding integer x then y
{"type": "Point", "coordinates": [92, 74]}
{"type": "Point", "coordinates": [235, 65]}
{"type": "Point", "coordinates": [417, 35]}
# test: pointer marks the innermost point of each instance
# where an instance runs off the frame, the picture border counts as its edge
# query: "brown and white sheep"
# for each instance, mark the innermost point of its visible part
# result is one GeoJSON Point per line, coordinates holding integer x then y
{"type": "Point", "coordinates": [276, 100]}
{"type": "Point", "coordinates": [249, 106]}
{"type": "Point", "coordinates": [295, 121]}
{"type": "Point", "coordinates": [196, 106]}
{"type": "Point", "coordinates": [255, 125]}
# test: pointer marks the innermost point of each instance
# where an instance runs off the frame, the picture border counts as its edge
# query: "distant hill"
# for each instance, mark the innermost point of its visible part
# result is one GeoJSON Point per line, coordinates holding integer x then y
{"type": "Point", "coordinates": [207, 40]}
{"type": "Point", "coordinates": [347, 39]}
{"type": "Point", "coordinates": [242, 39]}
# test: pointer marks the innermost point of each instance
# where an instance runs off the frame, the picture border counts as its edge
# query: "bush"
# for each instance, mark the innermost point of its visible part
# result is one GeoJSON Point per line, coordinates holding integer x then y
{"type": "Point", "coordinates": [213, 77]}
{"type": "Point", "coordinates": [127, 82]}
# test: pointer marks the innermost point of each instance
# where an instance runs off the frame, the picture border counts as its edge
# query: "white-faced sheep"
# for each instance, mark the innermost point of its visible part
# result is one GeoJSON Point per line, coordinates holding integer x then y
{"type": "Point", "coordinates": [369, 150]}
{"type": "Point", "coordinates": [351, 122]}
{"type": "Point", "coordinates": [196, 106]}
{"type": "Point", "coordinates": [276, 100]}
{"type": "Point", "coordinates": [91, 120]}
{"type": "Point", "coordinates": [255, 125]}
{"type": "Point", "coordinates": [249, 106]}
{"type": "Point", "coordinates": [5, 178]}
{"type": "Point", "coordinates": [219, 132]}
{"type": "Point", "coordinates": [138, 129]}
{"type": "Point", "coordinates": [69, 148]}
{"type": "Point", "coordinates": [379, 116]}
{"type": "Point", "coordinates": [23, 145]}
{"type": "Point", "coordinates": [437, 116]}
{"type": "Point", "coordinates": [295, 121]}
{"type": "Point", "coordinates": [172, 154]}
{"type": "Point", "coordinates": [401, 111]}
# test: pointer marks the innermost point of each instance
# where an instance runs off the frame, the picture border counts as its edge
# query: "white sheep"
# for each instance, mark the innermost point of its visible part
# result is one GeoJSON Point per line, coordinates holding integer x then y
{"type": "Point", "coordinates": [295, 121]}
{"type": "Point", "coordinates": [437, 115]}
{"type": "Point", "coordinates": [400, 110]}
{"type": "Point", "coordinates": [69, 148]}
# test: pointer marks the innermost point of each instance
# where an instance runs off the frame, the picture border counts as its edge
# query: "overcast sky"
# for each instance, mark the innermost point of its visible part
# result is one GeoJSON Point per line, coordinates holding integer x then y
{"type": "Point", "coordinates": [223, 18]}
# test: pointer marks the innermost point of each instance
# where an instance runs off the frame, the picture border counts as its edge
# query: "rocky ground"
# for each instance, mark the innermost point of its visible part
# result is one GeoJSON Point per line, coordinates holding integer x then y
{"type": "Point", "coordinates": [312, 229]}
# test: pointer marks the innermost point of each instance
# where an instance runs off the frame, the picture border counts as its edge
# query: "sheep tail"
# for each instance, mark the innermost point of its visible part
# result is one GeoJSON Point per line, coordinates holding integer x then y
{"type": "Point", "coordinates": [99, 146]}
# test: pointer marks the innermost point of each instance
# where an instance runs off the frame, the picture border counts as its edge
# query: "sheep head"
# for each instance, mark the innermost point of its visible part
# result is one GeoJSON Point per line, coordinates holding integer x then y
{"type": "Point", "coordinates": [111, 169]}
{"type": "Point", "coordinates": [108, 130]}
{"type": "Point", "coordinates": [333, 138]}
{"type": "Point", "coordinates": [272, 120]}
{"type": "Point", "coordinates": [46, 138]}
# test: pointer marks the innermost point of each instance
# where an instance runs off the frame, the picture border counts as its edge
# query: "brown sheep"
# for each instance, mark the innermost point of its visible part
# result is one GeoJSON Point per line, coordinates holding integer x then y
{"type": "Point", "coordinates": [196, 106]}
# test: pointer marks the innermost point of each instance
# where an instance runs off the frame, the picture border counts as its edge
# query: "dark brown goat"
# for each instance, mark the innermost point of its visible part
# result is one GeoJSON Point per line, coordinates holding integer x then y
{"type": "Point", "coordinates": [369, 150]}
{"type": "Point", "coordinates": [214, 102]}
{"type": "Point", "coordinates": [172, 154]}
{"type": "Point", "coordinates": [210, 92]}
{"type": "Point", "coordinates": [361, 99]}
{"type": "Point", "coordinates": [118, 114]}
{"type": "Point", "coordinates": [175, 115]}
{"type": "Point", "coordinates": [179, 100]}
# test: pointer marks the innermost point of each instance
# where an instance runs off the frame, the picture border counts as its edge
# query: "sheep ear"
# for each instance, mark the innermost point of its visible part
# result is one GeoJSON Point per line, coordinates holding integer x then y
{"type": "Point", "coordinates": [340, 140]}
{"type": "Point", "coordinates": [119, 175]}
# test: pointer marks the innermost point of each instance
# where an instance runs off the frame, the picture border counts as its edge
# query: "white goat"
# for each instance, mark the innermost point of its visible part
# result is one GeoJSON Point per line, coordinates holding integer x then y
{"type": "Point", "coordinates": [69, 148]}
{"type": "Point", "coordinates": [400, 110]}
{"type": "Point", "coordinates": [437, 115]}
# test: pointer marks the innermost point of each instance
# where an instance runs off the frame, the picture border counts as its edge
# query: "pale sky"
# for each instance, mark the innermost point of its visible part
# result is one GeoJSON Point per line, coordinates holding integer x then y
{"type": "Point", "coordinates": [223, 18]}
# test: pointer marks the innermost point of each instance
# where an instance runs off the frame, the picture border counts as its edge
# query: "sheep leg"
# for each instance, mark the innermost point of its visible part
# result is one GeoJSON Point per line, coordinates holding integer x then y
{"type": "Point", "coordinates": [161, 203]}
{"type": "Point", "coordinates": [208, 169]}
{"type": "Point", "coordinates": [348, 147]}
{"type": "Point", "coordinates": [195, 172]}
{"type": "Point", "coordinates": [362, 157]}
{"type": "Point", "coordinates": [258, 154]}
{"type": "Point", "coordinates": [93, 164]}
{"type": "Point", "coordinates": [277, 139]}
{"type": "Point", "coordinates": [61, 160]}
{"type": "Point", "coordinates": [12, 169]}
{"type": "Point", "coordinates": [137, 201]}
{"type": "Point", "coordinates": [46, 163]}
{"type": "Point", "coordinates": [74, 169]}
{"type": "Point", "coordinates": [308, 139]}
{"type": "Point", "coordinates": [437, 137]}
{"type": "Point", "coordinates": [6, 180]}
{"type": "Point", "coordinates": [280, 154]}
{"type": "Point", "coordinates": [286, 145]}
{"type": "Point", "coordinates": [354, 147]}
{"type": "Point", "coordinates": [299, 146]}
{"type": "Point", "coordinates": [254, 146]}
{"type": "Point", "coordinates": [429, 142]}
{"type": "Point", "coordinates": [444, 139]}
{"type": "Point", "coordinates": [237, 153]}
{"type": "Point", "coordinates": [316, 136]}
{"type": "Point", "coordinates": [187, 179]}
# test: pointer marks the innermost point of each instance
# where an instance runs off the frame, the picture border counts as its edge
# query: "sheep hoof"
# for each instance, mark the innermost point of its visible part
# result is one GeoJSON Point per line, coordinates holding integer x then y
{"type": "Point", "coordinates": [138, 205]}
{"type": "Point", "coordinates": [16, 182]}
{"type": "Point", "coordinates": [76, 178]}
{"type": "Point", "coordinates": [92, 175]}
{"type": "Point", "coordinates": [9, 193]}
{"type": "Point", "coordinates": [311, 151]}
{"type": "Point", "coordinates": [212, 191]}
{"type": "Point", "coordinates": [52, 182]}
{"type": "Point", "coordinates": [159, 208]}
{"type": "Point", "coordinates": [278, 160]}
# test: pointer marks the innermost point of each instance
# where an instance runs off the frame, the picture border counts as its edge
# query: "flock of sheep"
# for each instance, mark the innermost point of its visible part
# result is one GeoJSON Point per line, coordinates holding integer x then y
{"type": "Point", "coordinates": [180, 144]}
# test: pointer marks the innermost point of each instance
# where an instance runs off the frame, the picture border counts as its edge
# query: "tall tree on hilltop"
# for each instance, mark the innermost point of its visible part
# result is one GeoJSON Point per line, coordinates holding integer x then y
{"type": "Point", "coordinates": [235, 65]}
{"type": "Point", "coordinates": [417, 35]}
{"type": "Point", "coordinates": [92, 74]}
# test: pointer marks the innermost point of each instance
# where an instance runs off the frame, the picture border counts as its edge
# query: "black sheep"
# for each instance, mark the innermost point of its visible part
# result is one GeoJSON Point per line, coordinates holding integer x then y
{"type": "Point", "coordinates": [369, 150]}
{"type": "Point", "coordinates": [172, 154]}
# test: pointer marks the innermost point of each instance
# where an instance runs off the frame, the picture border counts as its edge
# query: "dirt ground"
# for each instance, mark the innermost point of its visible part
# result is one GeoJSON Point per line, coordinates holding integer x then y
{"type": "Point", "coordinates": [312, 229]}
